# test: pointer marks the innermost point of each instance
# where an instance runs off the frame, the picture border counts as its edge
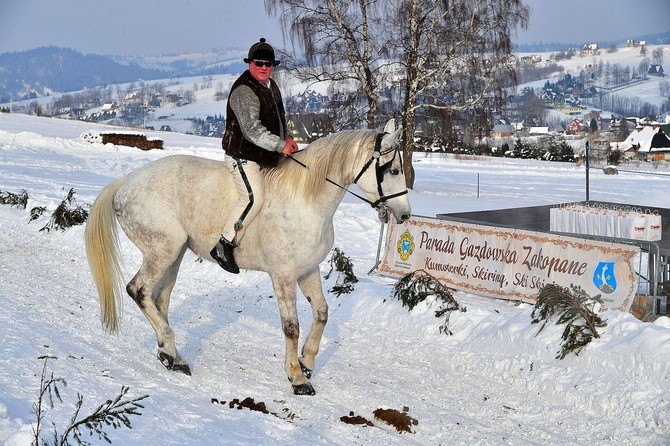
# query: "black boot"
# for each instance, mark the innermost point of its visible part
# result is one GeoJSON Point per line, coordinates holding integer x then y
{"type": "Point", "coordinates": [223, 254]}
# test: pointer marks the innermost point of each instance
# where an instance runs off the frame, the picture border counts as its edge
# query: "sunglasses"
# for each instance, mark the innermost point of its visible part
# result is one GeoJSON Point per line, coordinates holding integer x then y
{"type": "Point", "coordinates": [260, 63]}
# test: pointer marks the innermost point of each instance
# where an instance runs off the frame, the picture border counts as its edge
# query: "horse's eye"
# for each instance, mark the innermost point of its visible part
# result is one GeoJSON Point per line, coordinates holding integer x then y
{"type": "Point", "coordinates": [394, 171]}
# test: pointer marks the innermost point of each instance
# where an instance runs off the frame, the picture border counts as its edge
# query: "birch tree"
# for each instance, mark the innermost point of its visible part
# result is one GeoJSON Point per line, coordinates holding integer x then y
{"type": "Point", "coordinates": [454, 55]}
{"type": "Point", "coordinates": [342, 46]}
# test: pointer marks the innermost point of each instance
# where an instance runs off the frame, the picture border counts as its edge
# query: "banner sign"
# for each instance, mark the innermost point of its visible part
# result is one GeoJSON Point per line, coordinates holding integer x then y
{"type": "Point", "coordinates": [510, 263]}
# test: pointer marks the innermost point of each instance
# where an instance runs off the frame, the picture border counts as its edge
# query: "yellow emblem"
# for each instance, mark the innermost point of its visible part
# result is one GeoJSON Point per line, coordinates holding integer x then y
{"type": "Point", "coordinates": [405, 245]}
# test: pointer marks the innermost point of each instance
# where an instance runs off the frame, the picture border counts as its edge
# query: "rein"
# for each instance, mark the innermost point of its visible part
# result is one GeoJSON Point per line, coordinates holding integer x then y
{"type": "Point", "coordinates": [380, 170]}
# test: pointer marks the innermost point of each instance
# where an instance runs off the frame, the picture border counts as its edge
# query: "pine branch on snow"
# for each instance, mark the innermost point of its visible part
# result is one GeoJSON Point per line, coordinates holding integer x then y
{"type": "Point", "coordinates": [12, 199]}
{"type": "Point", "coordinates": [113, 413]}
{"type": "Point", "coordinates": [415, 287]}
{"type": "Point", "coordinates": [67, 214]}
{"type": "Point", "coordinates": [575, 309]}
{"type": "Point", "coordinates": [341, 263]}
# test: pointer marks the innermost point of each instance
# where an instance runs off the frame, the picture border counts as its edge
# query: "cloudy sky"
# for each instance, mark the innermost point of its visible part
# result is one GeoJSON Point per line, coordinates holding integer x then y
{"type": "Point", "coordinates": [142, 27]}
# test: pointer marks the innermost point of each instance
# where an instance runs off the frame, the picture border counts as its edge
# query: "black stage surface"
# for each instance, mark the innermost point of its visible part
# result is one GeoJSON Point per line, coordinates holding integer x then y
{"type": "Point", "coordinates": [536, 218]}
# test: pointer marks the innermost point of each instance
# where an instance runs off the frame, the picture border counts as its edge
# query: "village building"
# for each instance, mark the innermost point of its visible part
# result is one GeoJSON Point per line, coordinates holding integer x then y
{"type": "Point", "coordinates": [308, 127]}
{"type": "Point", "coordinates": [536, 131]}
{"type": "Point", "coordinates": [632, 43]}
{"type": "Point", "coordinates": [590, 49]}
{"type": "Point", "coordinates": [575, 127]}
{"type": "Point", "coordinates": [656, 70]}
{"type": "Point", "coordinates": [530, 60]}
{"type": "Point", "coordinates": [502, 131]}
{"type": "Point", "coordinates": [647, 141]}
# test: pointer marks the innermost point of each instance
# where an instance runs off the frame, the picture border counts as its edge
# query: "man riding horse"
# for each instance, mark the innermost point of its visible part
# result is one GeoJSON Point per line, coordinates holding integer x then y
{"type": "Point", "coordinates": [256, 136]}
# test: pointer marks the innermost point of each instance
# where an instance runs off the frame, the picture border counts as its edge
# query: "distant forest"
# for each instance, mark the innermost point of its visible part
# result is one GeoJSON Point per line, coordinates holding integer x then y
{"type": "Point", "coordinates": [541, 47]}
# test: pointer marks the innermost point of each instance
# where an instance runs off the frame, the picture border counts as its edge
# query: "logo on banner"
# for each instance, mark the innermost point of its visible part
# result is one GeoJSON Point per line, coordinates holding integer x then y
{"type": "Point", "coordinates": [405, 245]}
{"type": "Point", "coordinates": [603, 277]}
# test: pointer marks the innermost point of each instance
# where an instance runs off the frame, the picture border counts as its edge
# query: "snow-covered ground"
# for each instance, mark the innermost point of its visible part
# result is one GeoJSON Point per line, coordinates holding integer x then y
{"type": "Point", "coordinates": [494, 382]}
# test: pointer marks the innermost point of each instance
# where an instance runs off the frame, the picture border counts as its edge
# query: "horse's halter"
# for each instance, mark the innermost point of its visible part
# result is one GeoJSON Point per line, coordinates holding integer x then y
{"type": "Point", "coordinates": [380, 171]}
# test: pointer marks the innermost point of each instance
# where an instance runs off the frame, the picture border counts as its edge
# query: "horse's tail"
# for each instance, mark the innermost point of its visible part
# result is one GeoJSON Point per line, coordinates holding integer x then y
{"type": "Point", "coordinates": [102, 249]}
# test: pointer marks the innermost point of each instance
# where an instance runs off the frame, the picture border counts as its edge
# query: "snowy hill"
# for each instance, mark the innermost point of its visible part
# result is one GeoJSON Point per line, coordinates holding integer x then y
{"type": "Point", "coordinates": [626, 57]}
{"type": "Point", "coordinates": [201, 82]}
{"type": "Point", "coordinates": [494, 382]}
{"type": "Point", "coordinates": [44, 71]}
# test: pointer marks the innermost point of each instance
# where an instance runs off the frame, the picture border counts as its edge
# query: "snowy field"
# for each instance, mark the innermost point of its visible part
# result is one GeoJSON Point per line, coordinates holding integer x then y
{"type": "Point", "coordinates": [492, 383]}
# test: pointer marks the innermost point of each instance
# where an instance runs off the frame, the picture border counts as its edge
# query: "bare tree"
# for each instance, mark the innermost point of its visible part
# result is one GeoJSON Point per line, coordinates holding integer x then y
{"type": "Point", "coordinates": [453, 54]}
{"type": "Point", "coordinates": [457, 56]}
{"type": "Point", "coordinates": [657, 55]}
{"type": "Point", "coordinates": [534, 110]}
{"type": "Point", "coordinates": [644, 67]}
{"type": "Point", "coordinates": [664, 89]}
{"type": "Point", "coordinates": [339, 48]}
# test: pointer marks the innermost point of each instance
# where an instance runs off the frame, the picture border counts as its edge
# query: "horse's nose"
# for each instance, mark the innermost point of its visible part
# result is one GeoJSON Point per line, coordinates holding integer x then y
{"type": "Point", "coordinates": [404, 217]}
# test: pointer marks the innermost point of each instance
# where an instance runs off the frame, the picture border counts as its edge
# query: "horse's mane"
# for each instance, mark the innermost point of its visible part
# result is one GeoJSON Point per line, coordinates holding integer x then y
{"type": "Point", "coordinates": [330, 157]}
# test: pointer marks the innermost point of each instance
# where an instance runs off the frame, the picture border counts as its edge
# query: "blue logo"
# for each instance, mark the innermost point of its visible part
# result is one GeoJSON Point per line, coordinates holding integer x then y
{"type": "Point", "coordinates": [603, 277]}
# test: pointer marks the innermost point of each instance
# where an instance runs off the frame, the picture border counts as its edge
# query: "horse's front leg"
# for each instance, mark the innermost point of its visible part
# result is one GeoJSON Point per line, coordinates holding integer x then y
{"type": "Point", "coordinates": [285, 290]}
{"type": "Point", "coordinates": [311, 287]}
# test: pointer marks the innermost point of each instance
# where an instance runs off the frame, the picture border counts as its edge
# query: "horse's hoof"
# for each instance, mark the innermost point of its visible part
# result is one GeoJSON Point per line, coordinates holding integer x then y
{"type": "Point", "coordinates": [303, 389]}
{"type": "Point", "coordinates": [168, 362]}
{"type": "Point", "coordinates": [305, 371]}
{"type": "Point", "coordinates": [184, 368]}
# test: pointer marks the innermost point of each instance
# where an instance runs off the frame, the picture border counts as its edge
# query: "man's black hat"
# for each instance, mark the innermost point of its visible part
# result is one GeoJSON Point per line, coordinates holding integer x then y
{"type": "Point", "coordinates": [262, 50]}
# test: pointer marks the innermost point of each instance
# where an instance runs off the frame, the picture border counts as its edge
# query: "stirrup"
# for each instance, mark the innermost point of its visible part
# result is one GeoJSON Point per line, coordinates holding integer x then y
{"type": "Point", "coordinates": [223, 254]}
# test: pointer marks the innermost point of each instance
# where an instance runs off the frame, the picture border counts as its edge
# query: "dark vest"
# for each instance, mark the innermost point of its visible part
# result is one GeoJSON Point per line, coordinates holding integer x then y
{"type": "Point", "coordinates": [271, 116]}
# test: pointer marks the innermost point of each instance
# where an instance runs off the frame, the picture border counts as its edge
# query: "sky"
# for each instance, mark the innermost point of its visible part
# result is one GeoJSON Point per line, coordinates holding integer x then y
{"type": "Point", "coordinates": [153, 27]}
{"type": "Point", "coordinates": [577, 21]}
{"type": "Point", "coordinates": [131, 27]}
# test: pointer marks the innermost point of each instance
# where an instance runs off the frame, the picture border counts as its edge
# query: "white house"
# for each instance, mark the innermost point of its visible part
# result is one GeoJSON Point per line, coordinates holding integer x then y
{"type": "Point", "coordinates": [648, 141]}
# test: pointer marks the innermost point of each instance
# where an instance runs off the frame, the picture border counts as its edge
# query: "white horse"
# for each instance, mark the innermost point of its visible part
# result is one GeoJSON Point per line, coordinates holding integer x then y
{"type": "Point", "coordinates": [181, 202]}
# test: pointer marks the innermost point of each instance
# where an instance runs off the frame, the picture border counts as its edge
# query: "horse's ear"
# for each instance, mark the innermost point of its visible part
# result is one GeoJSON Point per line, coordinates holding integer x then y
{"type": "Point", "coordinates": [390, 126]}
{"type": "Point", "coordinates": [394, 136]}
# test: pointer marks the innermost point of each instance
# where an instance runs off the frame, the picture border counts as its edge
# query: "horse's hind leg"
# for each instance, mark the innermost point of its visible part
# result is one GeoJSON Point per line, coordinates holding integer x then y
{"type": "Point", "coordinates": [150, 289]}
{"type": "Point", "coordinates": [311, 287]}
{"type": "Point", "coordinates": [166, 285]}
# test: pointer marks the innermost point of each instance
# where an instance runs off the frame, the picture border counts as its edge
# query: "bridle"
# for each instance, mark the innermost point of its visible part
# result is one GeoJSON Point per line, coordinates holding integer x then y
{"type": "Point", "coordinates": [380, 171]}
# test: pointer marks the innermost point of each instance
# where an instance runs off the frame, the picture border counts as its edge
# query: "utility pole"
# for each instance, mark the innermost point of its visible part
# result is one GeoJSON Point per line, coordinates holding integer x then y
{"type": "Point", "coordinates": [588, 165]}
